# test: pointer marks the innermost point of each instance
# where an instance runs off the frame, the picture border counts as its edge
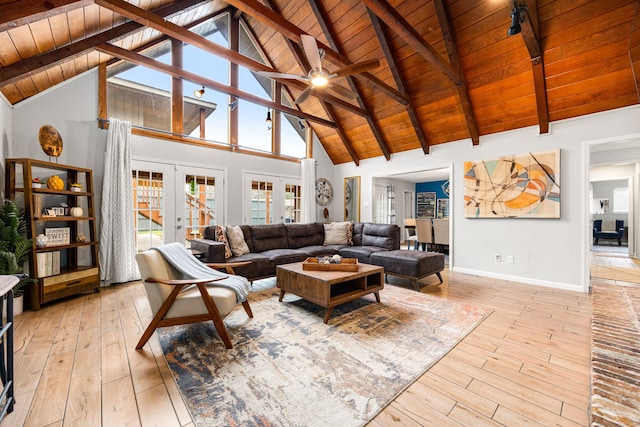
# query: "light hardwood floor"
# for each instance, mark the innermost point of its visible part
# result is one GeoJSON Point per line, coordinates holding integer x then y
{"type": "Point", "coordinates": [527, 364]}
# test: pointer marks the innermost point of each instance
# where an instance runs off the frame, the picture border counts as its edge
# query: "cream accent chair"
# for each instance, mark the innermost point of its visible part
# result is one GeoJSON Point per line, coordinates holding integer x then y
{"type": "Point", "coordinates": [410, 227]}
{"type": "Point", "coordinates": [175, 302]}
{"type": "Point", "coordinates": [441, 233]}
{"type": "Point", "coordinates": [424, 231]}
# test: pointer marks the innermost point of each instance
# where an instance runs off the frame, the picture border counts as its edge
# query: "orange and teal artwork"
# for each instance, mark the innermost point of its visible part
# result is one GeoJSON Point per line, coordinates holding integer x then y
{"type": "Point", "coordinates": [518, 186]}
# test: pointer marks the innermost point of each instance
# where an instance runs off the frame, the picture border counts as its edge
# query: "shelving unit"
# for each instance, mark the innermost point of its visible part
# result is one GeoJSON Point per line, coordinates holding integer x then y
{"type": "Point", "coordinates": [78, 260]}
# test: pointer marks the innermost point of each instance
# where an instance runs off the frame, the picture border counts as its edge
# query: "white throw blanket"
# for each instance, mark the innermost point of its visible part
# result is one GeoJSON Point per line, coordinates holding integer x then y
{"type": "Point", "coordinates": [191, 268]}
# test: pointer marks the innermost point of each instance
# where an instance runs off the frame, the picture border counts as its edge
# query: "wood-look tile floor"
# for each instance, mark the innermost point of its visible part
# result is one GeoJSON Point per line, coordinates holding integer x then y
{"type": "Point", "coordinates": [528, 363]}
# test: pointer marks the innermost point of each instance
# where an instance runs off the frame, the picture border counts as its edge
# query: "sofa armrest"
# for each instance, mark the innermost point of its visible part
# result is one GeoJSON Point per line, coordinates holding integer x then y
{"type": "Point", "coordinates": [212, 251]}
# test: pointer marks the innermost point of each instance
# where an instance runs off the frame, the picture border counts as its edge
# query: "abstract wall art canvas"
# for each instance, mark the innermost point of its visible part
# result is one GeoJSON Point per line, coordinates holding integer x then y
{"type": "Point", "coordinates": [519, 186]}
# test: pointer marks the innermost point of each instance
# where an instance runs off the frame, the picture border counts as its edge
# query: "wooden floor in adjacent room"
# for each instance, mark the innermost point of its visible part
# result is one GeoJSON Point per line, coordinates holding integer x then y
{"type": "Point", "coordinates": [528, 363]}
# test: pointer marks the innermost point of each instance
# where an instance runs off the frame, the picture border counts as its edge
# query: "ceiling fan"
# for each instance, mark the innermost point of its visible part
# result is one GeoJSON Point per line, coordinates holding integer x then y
{"type": "Point", "coordinates": [318, 77]}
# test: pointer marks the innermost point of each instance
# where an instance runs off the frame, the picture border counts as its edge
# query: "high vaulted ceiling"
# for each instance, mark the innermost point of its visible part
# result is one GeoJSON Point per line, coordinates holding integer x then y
{"type": "Point", "coordinates": [448, 71]}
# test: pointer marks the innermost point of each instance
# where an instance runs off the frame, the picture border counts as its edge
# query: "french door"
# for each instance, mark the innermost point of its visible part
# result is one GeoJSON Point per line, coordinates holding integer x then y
{"type": "Point", "coordinates": [271, 199]}
{"type": "Point", "coordinates": [174, 203]}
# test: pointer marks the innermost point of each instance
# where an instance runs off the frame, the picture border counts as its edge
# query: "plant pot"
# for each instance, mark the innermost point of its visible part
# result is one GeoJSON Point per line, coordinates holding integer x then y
{"type": "Point", "coordinates": [36, 185]}
{"type": "Point", "coordinates": [76, 189]}
{"type": "Point", "coordinates": [18, 305]}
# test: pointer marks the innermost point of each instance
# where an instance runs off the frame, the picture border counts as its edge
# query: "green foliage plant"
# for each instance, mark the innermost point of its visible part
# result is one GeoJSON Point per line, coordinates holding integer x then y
{"type": "Point", "coordinates": [15, 247]}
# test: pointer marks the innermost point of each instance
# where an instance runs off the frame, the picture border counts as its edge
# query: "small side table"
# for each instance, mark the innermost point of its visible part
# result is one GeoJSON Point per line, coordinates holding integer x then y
{"type": "Point", "coordinates": [6, 335]}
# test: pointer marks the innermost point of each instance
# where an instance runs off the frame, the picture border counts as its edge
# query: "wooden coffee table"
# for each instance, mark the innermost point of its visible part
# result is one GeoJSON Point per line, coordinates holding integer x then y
{"type": "Point", "coordinates": [329, 288]}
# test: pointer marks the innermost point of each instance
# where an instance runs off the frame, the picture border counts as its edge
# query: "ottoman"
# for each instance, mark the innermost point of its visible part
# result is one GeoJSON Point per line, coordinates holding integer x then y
{"type": "Point", "coordinates": [412, 265]}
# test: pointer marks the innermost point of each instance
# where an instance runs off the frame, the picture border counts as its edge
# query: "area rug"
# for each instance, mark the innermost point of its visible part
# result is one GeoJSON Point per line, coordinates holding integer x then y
{"type": "Point", "coordinates": [615, 359]}
{"type": "Point", "coordinates": [621, 274]}
{"type": "Point", "coordinates": [288, 368]}
{"type": "Point", "coordinates": [611, 249]}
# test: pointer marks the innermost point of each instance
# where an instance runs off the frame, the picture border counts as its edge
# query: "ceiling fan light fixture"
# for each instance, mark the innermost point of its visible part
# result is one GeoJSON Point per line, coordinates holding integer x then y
{"type": "Point", "coordinates": [319, 80]}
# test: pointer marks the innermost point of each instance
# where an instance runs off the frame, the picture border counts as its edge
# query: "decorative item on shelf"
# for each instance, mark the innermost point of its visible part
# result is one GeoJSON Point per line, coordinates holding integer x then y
{"type": "Point", "coordinates": [41, 240]}
{"type": "Point", "coordinates": [55, 183]}
{"type": "Point", "coordinates": [35, 183]}
{"type": "Point", "coordinates": [81, 238]}
{"type": "Point", "coordinates": [57, 210]}
{"type": "Point", "coordinates": [50, 141]}
{"type": "Point", "coordinates": [76, 186]}
{"type": "Point", "coordinates": [76, 211]}
{"type": "Point", "coordinates": [48, 213]}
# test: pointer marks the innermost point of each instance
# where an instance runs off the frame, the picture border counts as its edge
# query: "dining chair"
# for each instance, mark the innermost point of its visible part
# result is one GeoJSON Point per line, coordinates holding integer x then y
{"type": "Point", "coordinates": [424, 231]}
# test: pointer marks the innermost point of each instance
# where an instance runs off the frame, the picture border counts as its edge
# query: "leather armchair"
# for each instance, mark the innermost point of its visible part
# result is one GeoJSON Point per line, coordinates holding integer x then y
{"type": "Point", "coordinates": [613, 235]}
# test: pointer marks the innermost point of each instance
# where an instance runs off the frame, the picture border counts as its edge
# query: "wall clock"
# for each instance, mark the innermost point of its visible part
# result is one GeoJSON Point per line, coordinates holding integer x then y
{"type": "Point", "coordinates": [324, 192]}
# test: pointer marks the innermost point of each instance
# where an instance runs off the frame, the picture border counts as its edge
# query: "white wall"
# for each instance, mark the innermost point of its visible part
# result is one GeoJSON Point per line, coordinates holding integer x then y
{"type": "Point", "coordinates": [549, 252]}
{"type": "Point", "coordinates": [5, 135]}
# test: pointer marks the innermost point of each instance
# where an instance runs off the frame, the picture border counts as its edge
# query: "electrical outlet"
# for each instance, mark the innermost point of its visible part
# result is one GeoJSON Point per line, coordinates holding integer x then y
{"type": "Point", "coordinates": [509, 259]}
{"type": "Point", "coordinates": [498, 258]}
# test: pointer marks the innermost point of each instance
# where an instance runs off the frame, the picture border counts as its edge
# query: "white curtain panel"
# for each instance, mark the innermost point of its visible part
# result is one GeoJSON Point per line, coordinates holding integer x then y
{"type": "Point", "coordinates": [117, 247]}
{"type": "Point", "coordinates": [308, 175]}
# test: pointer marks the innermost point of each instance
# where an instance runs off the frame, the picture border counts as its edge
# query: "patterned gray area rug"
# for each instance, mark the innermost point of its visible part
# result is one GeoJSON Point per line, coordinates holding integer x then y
{"type": "Point", "coordinates": [287, 368]}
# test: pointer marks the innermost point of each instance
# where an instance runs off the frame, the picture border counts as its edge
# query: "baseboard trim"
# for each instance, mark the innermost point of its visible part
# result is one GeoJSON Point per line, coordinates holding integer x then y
{"type": "Point", "coordinates": [520, 279]}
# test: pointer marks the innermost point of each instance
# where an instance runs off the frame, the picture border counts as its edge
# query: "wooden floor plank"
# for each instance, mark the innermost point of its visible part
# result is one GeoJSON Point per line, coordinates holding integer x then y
{"type": "Point", "coordinates": [505, 371]}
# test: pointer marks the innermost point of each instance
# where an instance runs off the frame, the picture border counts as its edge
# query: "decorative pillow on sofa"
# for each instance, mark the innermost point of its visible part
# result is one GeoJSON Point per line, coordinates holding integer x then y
{"type": "Point", "coordinates": [609, 225]}
{"type": "Point", "coordinates": [221, 236]}
{"type": "Point", "coordinates": [338, 233]}
{"type": "Point", "coordinates": [236, 240]}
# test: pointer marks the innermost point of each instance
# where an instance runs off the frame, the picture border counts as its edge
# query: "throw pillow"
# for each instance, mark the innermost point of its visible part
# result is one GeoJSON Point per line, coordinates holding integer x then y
{"type": "Point", "coordinates": [336, 233]}
{"type": "Point", "coordinates": [350, 233]}
{"type": "Point", "coordinates": [236, 240]}
{"type": "Point", "coordinates": [221, 236]}
{"type": "Point", "coordinates": [609, 225]}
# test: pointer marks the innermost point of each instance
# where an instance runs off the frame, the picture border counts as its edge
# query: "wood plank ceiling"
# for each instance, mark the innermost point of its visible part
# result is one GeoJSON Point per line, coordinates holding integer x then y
{"type": "Point", "coordinates": [448, 71]}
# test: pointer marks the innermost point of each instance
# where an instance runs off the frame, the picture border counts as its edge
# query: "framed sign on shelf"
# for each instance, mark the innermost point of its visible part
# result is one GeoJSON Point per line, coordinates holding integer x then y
{"type": "Point", "coordinates": [58, 236]}
{"type": "Point", "coordinates": [426, 202]}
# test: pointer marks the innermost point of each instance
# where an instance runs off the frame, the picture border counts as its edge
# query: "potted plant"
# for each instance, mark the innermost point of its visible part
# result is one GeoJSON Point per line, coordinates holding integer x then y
{"type": "Point", "coordinates": [15, 247]}
{"type": "Point", "coordinates": [76, 186]}
{"type": "Point", "coordinates": [35, 183]}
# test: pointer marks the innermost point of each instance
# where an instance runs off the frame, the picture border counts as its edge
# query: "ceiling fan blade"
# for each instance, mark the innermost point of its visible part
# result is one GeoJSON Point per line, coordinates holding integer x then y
{"type": "Point", "coordinates": [304, 95]}
{"type": "Point", "coordinates": [343, 91]}
{"type": "Point", "coordinates": [281, 75]}
{"type": "Point", "coordinates": [358, 67]}
{"type": "Point", "coordinates": [311, 50]}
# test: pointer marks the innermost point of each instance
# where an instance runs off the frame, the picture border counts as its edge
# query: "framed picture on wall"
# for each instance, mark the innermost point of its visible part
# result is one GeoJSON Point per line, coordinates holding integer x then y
{"type": "Point", "coordinates": [443, 208]}
{"type": "Point", "coordinates": [426, 202]}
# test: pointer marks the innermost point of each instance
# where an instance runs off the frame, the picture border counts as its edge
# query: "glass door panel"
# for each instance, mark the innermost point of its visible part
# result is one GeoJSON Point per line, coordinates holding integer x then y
{"type": "Point", "coordinates": [202, 202]}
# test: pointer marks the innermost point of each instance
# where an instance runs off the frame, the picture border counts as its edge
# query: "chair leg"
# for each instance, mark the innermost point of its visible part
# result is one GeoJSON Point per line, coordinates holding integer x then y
{"type": "Point", "coordinates": [247, 308]}
{"type": "Point", "coordinates": [159, 316]}
{"type": "Point", "coordinates": [215, 316]}
{"type": "Point", "coordinates": [439, 276]}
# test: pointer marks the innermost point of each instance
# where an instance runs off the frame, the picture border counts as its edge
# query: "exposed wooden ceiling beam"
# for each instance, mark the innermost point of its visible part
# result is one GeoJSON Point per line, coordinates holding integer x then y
{"type": "Point", "coordinates": [400, 26]}
{"type": "Point", "coordinates": [383, 38]}
{"type": "Point", "coordinates": [206, 82]}
{"type": "Point", "coordinates": [529, 36]}
{"type": "Point", "coordinates": [35, 64]}
{"type": "Point", "coordinates": [156, 22]}
{"type": "Point", "coordinates": [290, 31]}
{"type": "Point", "coordinates": [328, 32]}
{"type": "Point", "coordinates": [452, 49]}
{"type": "Point", "coordinates": [634, 48]}
{"type": "Point", "coordinates": [22, 12]}
{"type": "Point", "coordinates": [303, 63]}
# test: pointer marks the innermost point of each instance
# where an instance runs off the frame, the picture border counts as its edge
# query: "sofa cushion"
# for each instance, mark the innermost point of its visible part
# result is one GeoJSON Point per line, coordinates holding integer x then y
{"type": "Point", "coordinates": [385, 236]}
{"type": "Point", "coordinates": [321, 250]}
{"type": "Point", "coordinates": [362, 253]}
{"type": "Point", "coordinates": [357, 233]}
{"type": "Point", "coordinates": [236, 240]}
{"type": "Point", "coordinates": [338, 233]}
{"type": "Point", "coordinates": [221, 236]}
{"type": "Point", "coordinates": [285, 256]}
{"type": "Point", "coordinates": [268, 236]}
{"type": "Point", "coordinates": [301, 235]}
